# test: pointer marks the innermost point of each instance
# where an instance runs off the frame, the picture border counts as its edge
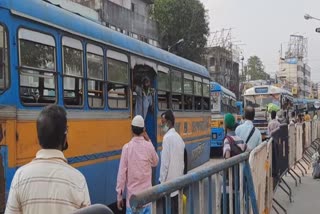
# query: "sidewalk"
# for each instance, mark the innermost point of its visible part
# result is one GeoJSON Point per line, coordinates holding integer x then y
{"type": "Point", "coordinates": [306, 196]}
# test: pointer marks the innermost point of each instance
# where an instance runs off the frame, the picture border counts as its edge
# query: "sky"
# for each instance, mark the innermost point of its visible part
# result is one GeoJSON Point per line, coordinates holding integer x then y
{"type": "Point", "coordinates": [263, 25]}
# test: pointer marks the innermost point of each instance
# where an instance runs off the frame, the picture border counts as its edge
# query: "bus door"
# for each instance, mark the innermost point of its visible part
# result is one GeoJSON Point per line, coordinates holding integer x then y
{"type": "Point", "coordinates": [143, 98]}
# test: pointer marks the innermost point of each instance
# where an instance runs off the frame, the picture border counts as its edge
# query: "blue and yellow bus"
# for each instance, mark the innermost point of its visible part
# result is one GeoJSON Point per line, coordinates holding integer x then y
{"type": "Point", "coordinates": [222, 101]}
{"type": "Point", "coordinates": [49, 55]}
{"type": "Point", "coordinates": [240, 112]}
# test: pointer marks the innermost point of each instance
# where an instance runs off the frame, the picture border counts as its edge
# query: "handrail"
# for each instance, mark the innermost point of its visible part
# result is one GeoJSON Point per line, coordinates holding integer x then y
{"type": "Point", "coordinates": [159, 191]}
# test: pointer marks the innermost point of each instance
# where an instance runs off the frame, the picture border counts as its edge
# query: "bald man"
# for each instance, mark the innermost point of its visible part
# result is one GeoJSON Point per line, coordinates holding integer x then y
{"type": "Point", "coordinates": [247, 132]}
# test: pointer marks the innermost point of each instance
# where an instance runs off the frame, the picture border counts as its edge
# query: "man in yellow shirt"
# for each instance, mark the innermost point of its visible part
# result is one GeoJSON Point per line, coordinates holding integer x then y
{"type": "Point", "coordinates": [307, 117]}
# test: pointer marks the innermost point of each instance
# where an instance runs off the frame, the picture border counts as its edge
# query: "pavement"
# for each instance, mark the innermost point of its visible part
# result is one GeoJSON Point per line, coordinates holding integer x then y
{"type": "Point", "coordinates": [306, 196]}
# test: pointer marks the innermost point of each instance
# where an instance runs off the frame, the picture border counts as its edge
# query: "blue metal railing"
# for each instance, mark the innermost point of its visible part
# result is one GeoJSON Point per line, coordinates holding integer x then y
{"type": "Point", "coordinates": [204, 190]}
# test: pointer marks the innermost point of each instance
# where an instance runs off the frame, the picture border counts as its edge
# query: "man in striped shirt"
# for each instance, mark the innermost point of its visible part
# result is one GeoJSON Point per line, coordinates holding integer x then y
{"type": "Point", "coordinates": [48, 184]}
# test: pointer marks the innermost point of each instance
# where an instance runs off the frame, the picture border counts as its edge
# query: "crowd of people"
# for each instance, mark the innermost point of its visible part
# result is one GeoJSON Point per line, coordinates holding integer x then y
{"type": "Point", "coordinates": [48, 184]}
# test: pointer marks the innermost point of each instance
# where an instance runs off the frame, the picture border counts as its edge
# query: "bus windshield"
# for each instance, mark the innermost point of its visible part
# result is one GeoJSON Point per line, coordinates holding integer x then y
{"type": "Point", "coordinates": [261, 101]}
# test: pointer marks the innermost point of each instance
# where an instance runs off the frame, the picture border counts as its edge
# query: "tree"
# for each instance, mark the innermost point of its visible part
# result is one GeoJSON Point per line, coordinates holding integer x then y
{"type": "Point", "coordinates": [182, 19]}
{"type": "Point", "coordinates": [255, 69]}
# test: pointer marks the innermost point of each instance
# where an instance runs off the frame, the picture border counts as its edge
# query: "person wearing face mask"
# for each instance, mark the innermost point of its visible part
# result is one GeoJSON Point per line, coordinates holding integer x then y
{"type": "Point", "coordinates": [172, 155]}
{"type": "Point", "coordinates": [144, 98]}
{"type": "Point", "coordinates": [48, 184]}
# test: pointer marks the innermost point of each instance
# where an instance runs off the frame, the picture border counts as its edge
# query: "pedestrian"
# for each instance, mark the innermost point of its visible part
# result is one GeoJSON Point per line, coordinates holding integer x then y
{"type": "Point", "coordinates": [135, 169]}
{"type": "Point", "coordinates": [315, 117]}
{"type": "Point", "coordinates": [232, 145]}
{"type": "Point", "coordinates": [247, 132]}
{"type": "Point", "coordinates": [281, 117]}
{"type": "Point", "coordinates": [307, 117]}
{"type": "Point", "coordinates": [274, 123]}
{"type": "Point", "coordinates": [293, 118]}
{"type": "Point", "coordinates": [286, 117]}
{"type": "Point", "coordinates": [172, 156]}
{"type": "Point", "coordinates": [300, 118]}
{"type": "Point", "coordinates": [48, 184]}
{"type": "Point", "coordinates": [144, 98]}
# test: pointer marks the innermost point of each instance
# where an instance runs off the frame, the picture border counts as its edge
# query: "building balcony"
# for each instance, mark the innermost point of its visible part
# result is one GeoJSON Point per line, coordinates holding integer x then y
{"type": "Point", "coordinates": [128, 20]}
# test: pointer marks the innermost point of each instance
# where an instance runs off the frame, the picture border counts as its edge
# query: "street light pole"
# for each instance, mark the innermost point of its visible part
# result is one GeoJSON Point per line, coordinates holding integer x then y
{"type": "Point", "coordinates": [307, 17]}
{"type": "Point", "coordinates": [178, 42]}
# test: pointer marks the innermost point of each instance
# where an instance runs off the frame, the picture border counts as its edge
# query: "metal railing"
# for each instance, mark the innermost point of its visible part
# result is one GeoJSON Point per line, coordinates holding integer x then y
{"type": "Point", "coordinates": [206, 190]}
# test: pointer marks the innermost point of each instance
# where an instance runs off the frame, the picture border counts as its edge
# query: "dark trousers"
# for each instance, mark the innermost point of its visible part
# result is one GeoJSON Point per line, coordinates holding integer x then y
{"type": "Point", "coordinates": [174, 205]}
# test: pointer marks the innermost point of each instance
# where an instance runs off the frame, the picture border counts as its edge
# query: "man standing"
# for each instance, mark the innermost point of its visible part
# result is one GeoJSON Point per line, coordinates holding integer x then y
{"type": "Point", "coordinates": [135, 169]}
{"type": "Point", "coordinates": [247, 132]}
{"type": "Point", "coordinates": [232, 144]}
{"type": "Point", "coordinates": [307, 117]}
{"type": "Point", "coordinates": [315, 117]}
{"type": "Point", "coordinates": [172, 156]}
{"type": "Point", "coordinates": [274, 123]}
{"type": "Point", "coordinates": [144, 98]}
{"type": "Point", "coordinates": [48, 184]}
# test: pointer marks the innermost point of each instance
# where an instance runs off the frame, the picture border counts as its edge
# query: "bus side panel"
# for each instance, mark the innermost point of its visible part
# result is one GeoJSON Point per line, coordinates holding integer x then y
{"type": "Point", "coordinates": [102, 180]}
{"type": "Point", "coordinates": [217, 136]}
{"type": "Point", "coordinates": [8, 173]}
{"type": "Point", "coordinates": [195, 132]}
{"type": "Point", "coordinates": [197, 153]}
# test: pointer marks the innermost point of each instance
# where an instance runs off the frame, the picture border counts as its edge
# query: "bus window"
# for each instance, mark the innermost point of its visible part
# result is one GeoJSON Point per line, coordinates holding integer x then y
{"type": "Point", "coordinates": [176, 85]}
{"type": "Point", "coordinates": [118, 80]}
{"type": "Point", "coordinates": [163, 88]}
{"type": "Point", "coordinates": [37, 71]}
{"type": "Point", "coordinates": [4, 68]}
{"type": "Point", "coordinates": [95, 76]}
{"type": "Point", "coordinates": [188, 92]}
{"type": "Point", "coordinates": [206, 95]}
{"type": "Point", "coordinates": [72, 72]}
{"type": "Point", "coordinates": [197, 93]}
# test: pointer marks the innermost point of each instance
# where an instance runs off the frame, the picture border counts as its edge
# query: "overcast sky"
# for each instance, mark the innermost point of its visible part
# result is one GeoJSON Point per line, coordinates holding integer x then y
{"type": "Point", "coordinates": [262, 25]}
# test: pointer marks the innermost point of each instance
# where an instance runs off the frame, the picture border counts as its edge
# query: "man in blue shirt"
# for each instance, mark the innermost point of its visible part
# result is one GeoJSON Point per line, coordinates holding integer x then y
{"type": "Point", "coordinates": [144, 98]}
{"type": "Point", "coordinates": [247, 132]}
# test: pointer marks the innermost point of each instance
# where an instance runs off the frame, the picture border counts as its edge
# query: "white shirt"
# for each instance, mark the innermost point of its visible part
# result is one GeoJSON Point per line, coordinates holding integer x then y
{"type": "Point", "coordinates": [172, 157]}
{"type": "Point", "coordinates": [243, 131]}
{"type": "Point", "coordinates": [47, 185]}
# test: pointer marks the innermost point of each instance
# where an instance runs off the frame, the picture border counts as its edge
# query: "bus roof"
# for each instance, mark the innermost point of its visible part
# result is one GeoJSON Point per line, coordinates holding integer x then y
{"type": "Point", "coordinates": [266, 89]}
{"type": "Point", "coordinates": [52, 15]}
{"type": "Point", "coordinates": [217, 87]}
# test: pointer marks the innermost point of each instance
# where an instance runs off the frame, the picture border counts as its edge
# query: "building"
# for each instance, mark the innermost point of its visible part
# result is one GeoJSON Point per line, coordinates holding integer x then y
{"type": "Point", "coordinates": [295, 76]}
{"type": "Point", "coordinates": [223, 65]}
{"type": "Point", "coordinates": [315, 87]}
{"type": "Point", "coordinates": [130, 17]}
{"type": "Point", "coordinates": [294, 73]}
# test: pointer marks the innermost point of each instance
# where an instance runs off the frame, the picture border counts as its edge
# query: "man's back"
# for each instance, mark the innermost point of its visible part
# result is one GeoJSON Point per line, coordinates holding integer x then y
{"type": "Point", "coordinates": [307, 118]}
{"type": "Point", "coordinates": [273, 124]}
{"type": "Point", "coordinates": [135, 170]}
{"type": "Point", "coordinates": [244, 130]}
{"type": "Point", "coordinates": [172, 160]}
{"type": "Point", "coordinates": [47, 185]}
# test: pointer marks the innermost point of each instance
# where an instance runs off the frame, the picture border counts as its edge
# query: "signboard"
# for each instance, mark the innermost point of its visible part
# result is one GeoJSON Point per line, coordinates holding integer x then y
{"type": "Point", "coordinates": [317, 104]}
{"type": "Point", "coordinates": [261, 90]}
{"type": "Point", "coordinates": [294, 91]}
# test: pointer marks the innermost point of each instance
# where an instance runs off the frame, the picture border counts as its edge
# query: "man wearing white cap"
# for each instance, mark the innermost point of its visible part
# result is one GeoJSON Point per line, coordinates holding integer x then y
{"type": "Point", "coordinates": [135, 169]}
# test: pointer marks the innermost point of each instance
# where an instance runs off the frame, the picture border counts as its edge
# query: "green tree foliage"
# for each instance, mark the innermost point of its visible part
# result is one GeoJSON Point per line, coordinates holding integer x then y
{"type": "Point", "coordinates": [185, 19]}
{"type": "Point", "coordinates": [255, 69]}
